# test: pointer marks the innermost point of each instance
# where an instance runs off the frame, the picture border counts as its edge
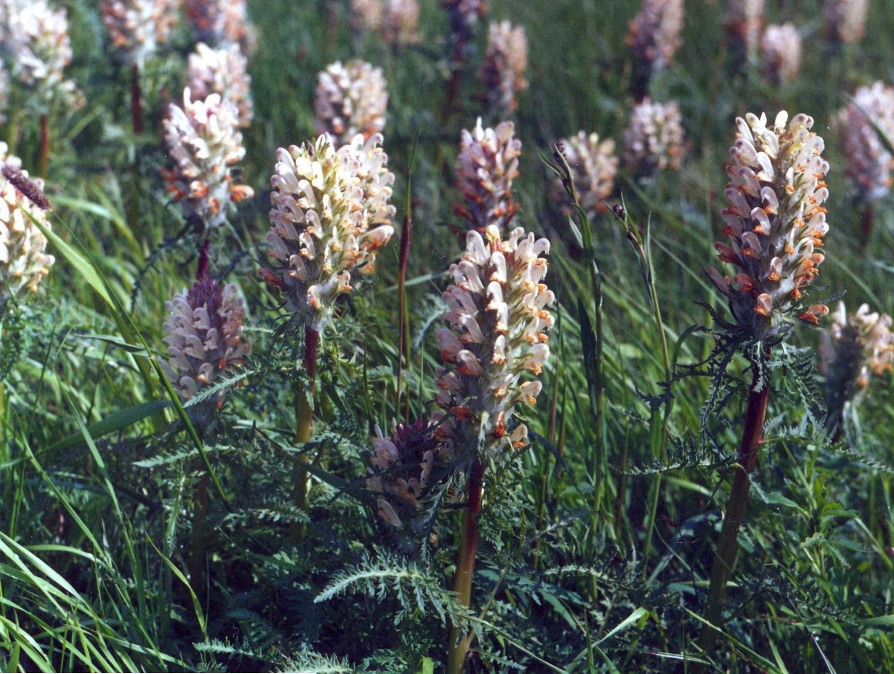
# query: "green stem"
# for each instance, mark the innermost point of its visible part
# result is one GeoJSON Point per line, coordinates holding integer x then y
{"type": "Point", "coordinates": [304, 424]}
{"type": "Point", "coordinates": [458, 645]}
{"type": "Point", "coordinates": [199, 543]}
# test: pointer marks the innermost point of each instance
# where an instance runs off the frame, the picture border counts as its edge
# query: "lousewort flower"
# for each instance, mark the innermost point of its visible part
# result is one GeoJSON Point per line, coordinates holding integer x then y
{"type": "Point", "coordinates": [856, 347]}
{"type": "Point", "coordinates": [396, 20]}
{"type": "Point", "coordinates": [744, 26]}
{"type": "Point", "coordinates": [367, 14]}
{"type": "Point", "coordinates": [350, 99]}
{"type": "Point", "coordinates": [203, 332]}
{"type": "Point", "coordinates": [868, 161]}
{"type": "Point", "coordinates": [330, 215]}
{"type": "Point", "coordinates": [505, 65]}
{"type": "Point", "coordinates": [221, 71]}
{"type": "Point", "coordinates": [463, 16]}
{"type": "Point", "coordinates": [486, 166]}
{"type": "Point", "coordinates": [218, 22]}
{"type": "Point", "coordinates": [23, 262]}
{"type": "Point", "coordinates": [593, 165]}
{"type": "Point", "coordinates": [654, 37]}
{"type": "Point", "coordinates": [401, 468]}
{"type": "Point", "coordinates": [654, 140]}
{"type": "Point", "coordinates": [846, 19]}
{"type": "Point", "coordinates": [497, 317]}
{"type": "Point", "coordinates": [137, 27]}
{"type": "Point", "coordinates": [781, 53]}
{"type": "Point", "coordinates": [203, 140]}
{"type": "Point", "coordinates": [775, 223]}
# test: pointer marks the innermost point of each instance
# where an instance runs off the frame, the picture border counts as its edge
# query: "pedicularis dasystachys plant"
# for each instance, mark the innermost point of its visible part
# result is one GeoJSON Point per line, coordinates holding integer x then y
{"type": "Point", "coordinates": [593, 165]}
{"type": "Point", "coordinates": [846, 20]}
{"type": "Point", "coordinates": [654, 139]}
{"type": "Point", "coordinates": [222, 71]}
{"type": "Point", "coordinates": [654, 37]}
{"type": "Point", "coordinates": [397, 21]}
{"type": "Point", "coordinates": [136, 28]}
{"type": "Point", "coordinates": [505, 66]}
{"type": "Point", "coordinates": [744, 26]}
{"type": "Point", "coordinates": [350, 99]}
{"type": "Point", "coordinates": [220, 22]}
{"type": "Point", "coordinates": [869, 162]}
{"type": "Point", "coordinates": [781, 53]}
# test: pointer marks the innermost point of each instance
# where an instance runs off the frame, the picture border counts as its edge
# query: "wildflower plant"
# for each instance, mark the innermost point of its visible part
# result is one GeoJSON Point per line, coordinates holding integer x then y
{"type": "Point", "coordinates": [869, 162]}
{"type": "Point", "coordinates": [593, 165]}
{"type": "Point", "coordinates": [224, 71]}
{"type": "Point", "coordinates": [654, 139]}
{"type": "Point", "coordinates": [221, 22]}
{"type": "Point", "coordinates": [654, 38]}
{"type": "Point", "coordinates": [350, 99]}
{"type": "Point", "coordinates": [781, 53]}
{"type": "Point", "coordinates": [505, 65]}
{"type": "Point", "coordinates": [744, 26]}
{"type": "Point", "coordinates": [846, 20]}
{"type": "Point", "coordinates": [136, 28]}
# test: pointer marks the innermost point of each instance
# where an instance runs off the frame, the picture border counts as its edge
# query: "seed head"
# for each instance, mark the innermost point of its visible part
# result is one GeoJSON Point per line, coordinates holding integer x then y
{"type": "Point", "coordinates": [654, 140]}
{"type": "Point", "coordinates": [505, 65]}
{"type": "Point", "coordinates": [221, 71]}
{"type": "Point", "coordinates": [775, 223]}
{"type": "Point", "coordinates": [136, 28]}
{"type": "Point", "coordinates": [350, 99]}
{"type": "Point", "coordinates": [869, 163]}
{"type": "Point", "coordinates": [593, 166]}
{"type": "Point", "coordinates": [781, 53]}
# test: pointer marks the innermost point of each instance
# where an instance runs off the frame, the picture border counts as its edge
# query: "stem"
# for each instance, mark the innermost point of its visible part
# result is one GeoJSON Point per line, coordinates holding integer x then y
{"type": "Point", "coordinates": [202, 266]}
{"type": "Point", "coordinates": [304, 424]}
{"type": "Point", "coordinates": [44, 145]}
{"type": "Point", "coordinates": [199, 544]}
{"type": "Point", "coordinates": [727, 548]}
{"type": "Point", "coordinates": [136, 99]}
{"type": "Point", "coordinates": [867, 220]}
{"type": "Point", "coordinates": [458, 646]}
{"type": "Point", "coordinates": [403, 348]}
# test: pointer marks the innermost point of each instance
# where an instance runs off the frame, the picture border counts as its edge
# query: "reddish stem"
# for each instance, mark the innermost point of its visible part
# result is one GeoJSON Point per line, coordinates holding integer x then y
{"type": "Point", "coordinates": [202, 267]}
{"type": "Point", "coordinates": [136, 99]}
{"type": "Point", "coordinates": [44, 145]}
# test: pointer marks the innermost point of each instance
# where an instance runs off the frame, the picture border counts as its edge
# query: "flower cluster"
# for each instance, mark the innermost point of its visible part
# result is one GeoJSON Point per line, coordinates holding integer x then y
{"type": "Point", "coordinates": [869, 163]}
{"type": "Point", "coordinates": [497, 317]}
{"type": "Point", "coordinates": [775, 223]}
{"type": "Point", "coordinates": [203, 140]}
{"type": "Point", "coordinates": [505, 65]}
{"type": "Point", "coordinates": [846, 19]}
{"type": "Point", "coordinates": [856, 347]}
{"type": "Point", "coordinates": [486, 166]}
{"type": "Point", "coordinates": [593, 165]}
{"type": "Point", "coordinates": [744, 26]}
{"type": "Point", "coordinates": [654, 140]}
{"type": "Point", "coordinates": [221, 71]}
{"type": "Point", "coordinates": [137, 27]}
{"type": "Point", "coordinates": [203, 332]}
{"type": "Point", "coordinates": [654, 37]}
{"type": "Point", "coordinates": [330, 215]}
{"type": "Point", "coordinates": [218, 22]}
{"type": "Point", "coordinates": [462, 16]}
{"type": "Point", "coordinates": [350, 99]}
{"type": "Point", "coordinates": [23, 262]}
{"type": "Point", "coordinates": [780, 53]}
{"type": "Point", "coordinates": [397, 21]}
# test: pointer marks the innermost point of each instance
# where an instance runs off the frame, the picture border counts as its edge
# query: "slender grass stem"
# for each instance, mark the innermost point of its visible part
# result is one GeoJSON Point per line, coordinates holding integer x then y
{"type": "Point", "coordinates": [304, 423]}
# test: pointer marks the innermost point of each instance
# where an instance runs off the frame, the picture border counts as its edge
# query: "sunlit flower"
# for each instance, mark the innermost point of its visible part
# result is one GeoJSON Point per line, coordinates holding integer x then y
{"type": "Point", "coordinates": [497, 320]}
{"type": "Point", "coordinates": [869, 163]}
{"type": "Point", "coordinates": [350, 99]}
{"type": "Point", "coordinates": [593, 165]}
{"type": "Point", "coordinates": [505, 65]}
{"type": "Point", "coordinates": [654, 37]}
{"type": "Point", "coordinates": [137, 27]}
{"type": "Point", "coordinates": [203, 140]}
{"type": "Point", "coordinates": [330, 215]}
{"type": "Point", "coordinates": [203, 332]}
{"type": "Point", "coordinates": [744, 26]}
{"type": "Point", "coordinates": [23, 262]}
{"type": "Point", "coordinates": [775, 223]}
{"type": "Point", "coordinates": [781, 53]}
{"type": "Point", "coordinates": [221, 71]}
{"type": "Point", "coordinates": [486, 166]}
{"type": "Point", "coordinates": [654, 140]}
{"type": "Point", "coordinates": [218, 22]}
{"type": "Point", "coordinates": [846, 19]}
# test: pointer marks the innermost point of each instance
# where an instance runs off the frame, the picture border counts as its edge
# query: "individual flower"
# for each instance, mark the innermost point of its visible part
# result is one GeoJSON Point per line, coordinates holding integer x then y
{"type": "Point", "coordinates": [218, 22]}
{"type": "Point", "coordinates": [203, 140]}
{"type": "Point", "coordinates": [497, 320]}
{"type": "Point", "coordinates": [775, 223]}
{"type": "Point", "coordinates": [485, 168]}
{"type": "Point", "coordinates": [744, 26]}
{"type": "Point", "coordinates": [856, 347]}
{"type": "Point", "coordinates": [654, 140]}
{"type": "Point", "coordinates": [654, 37]}
{"type": "Point", "coordinates": [203, 332]}
{"type": "Point", "coordinates": [350, 99]}
{"type": "Point", "coordinates": [401, 470]}
{"type": "Point", "coordinates": [781, 53]}
{"type": "Point", "coordinates": [593, 165]}
{"type": "Point", "coordinates": [869, 163]}
{"type": "Point", "coordinates": [136, 28]}
{"type": "Point", "coordinates": [23, 262]}
{"type": "Point", "coordinates": [462, 15]}
{"type": "Point", "coordinates": [505, 65]}
{"type": "Point", "coordinates": [330, 215]}
{"type": "Point", "coordinates": [221, 71]}
{"type": "Point", "coordinates": [846, 19]}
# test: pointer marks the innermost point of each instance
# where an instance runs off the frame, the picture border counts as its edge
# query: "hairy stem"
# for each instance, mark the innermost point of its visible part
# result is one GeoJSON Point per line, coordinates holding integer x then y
{"type": "Point", "coordinates": [304, 424]}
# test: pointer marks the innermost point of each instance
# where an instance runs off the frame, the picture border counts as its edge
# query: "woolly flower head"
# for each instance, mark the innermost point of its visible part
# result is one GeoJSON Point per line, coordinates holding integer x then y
{"type": "Point", "coordinates": [203, 332]}
{"type": "Point", "coordinates": [23, 262]}
{"type": "Point", "coordinates": [654, 141]}
{"type": "Point", "coordinates": [505, 65]}
{"type": "Point", "coordinates": [221, 71]}
{"type": "Point", "coordinates": [868, 161]}
{"type": "Point", "coordinates": [593, 165]}
{"type": "Point", "coordinates": [396, 20]}
{"type": "Point", "coordinates": [203, 140]}
{"type": "Point", "coordinates": [775, 223]}
{"type": "Point", "coordinates": [137, 27]}
{"type": "Point", "coordinates": [781, 53]}
{"type": "Point", "coordinates": [846, 19]}
{"type": "Point", "coordinates": [218, 22]}
{"type": "Point", "coordinates": [401, 469]}
{"type": "Point", "coordinates": [350, 99]}
{"type": "Point", "coordinates": [744, 26]}
{"type": "Point", "coordinates": [486, 166]}
{"type": "Point", "coordinates": [330, 215]}
{"type": "Point", "coordinates": [654, 33]}
{"type": "Point", "coordinates": [497, 321]}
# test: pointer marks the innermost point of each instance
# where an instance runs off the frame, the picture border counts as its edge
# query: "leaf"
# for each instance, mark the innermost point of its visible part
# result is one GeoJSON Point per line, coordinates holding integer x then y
{"type": "Point", "coordinates": [624, 624]}
{"type": "Point", "coordinates": [116, 421]}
